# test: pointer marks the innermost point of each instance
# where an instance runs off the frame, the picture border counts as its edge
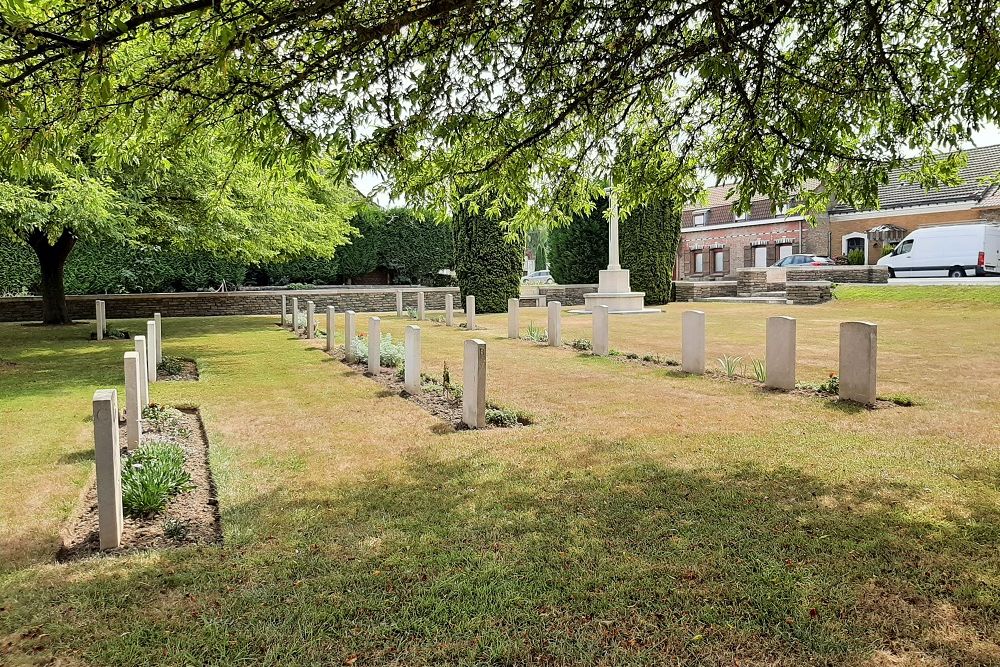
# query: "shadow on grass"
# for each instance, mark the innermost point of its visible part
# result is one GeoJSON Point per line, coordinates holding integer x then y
{"type": "Point", "coordinates": [77, 457]}
{"type": "Point", "coordinates": [475, 561]}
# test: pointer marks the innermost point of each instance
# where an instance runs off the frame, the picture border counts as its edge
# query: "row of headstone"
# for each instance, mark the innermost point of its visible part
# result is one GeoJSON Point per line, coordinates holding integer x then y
{"type": "Point", "coordinates": [291, 319]}
{"type": "Point", "coordinates": [554, 329]}
{"type": "Point", "coordinates": [858, 354]}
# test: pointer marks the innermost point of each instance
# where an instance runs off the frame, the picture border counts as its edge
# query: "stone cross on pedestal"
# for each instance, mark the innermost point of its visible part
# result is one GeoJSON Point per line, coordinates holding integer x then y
{"type": "Point", "coordinates": [614, 264]}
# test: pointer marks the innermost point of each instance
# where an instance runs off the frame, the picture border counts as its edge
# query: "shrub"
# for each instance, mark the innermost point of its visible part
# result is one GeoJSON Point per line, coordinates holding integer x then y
{"type": "Point", "coordinates": [170, 366]}
{"type": "Point", "coordinates": [581, 344]}
{"type": "Point", "coordinates": [175, 529]}
{"type": "Point", "coordinates": [648, 241]}
{"type": "Point", "coordinates": [391, 353]}
{"type": "Point", "coordinates": [856, 257]}
{"type": "Point", "coordinates": [578, 251]}
{"type": "Point", "coordinates": [487, 263]}
{"type": "Point", "coordinates": [151, 475]}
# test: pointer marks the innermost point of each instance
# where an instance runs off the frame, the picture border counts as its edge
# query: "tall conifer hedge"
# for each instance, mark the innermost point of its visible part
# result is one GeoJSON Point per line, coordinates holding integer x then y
{"type": "Point", "coordinates": [648, 241]}
{"type": "Point", "coordinates": [487, 265]}
{"type": "Point", "coordinates": [579, 250]}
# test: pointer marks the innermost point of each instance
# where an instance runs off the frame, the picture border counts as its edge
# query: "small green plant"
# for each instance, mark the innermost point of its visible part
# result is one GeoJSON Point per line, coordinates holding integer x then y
{"type": "Point", "coordinates": [299, 286]}
{"type": "Point", "coordinates": [504, 417]}
{"type": "Point", "coordinates": [730, 365]}
{"type": "Point", "coordinates": [445, 375]}
{"type": "Point", "coordinates": [391, 353]}
{"type": "Point", "coordinates": [759, 369]}
{"type": "Point", "coordinates": [439, 319]}
{"type": "Point", "coordinates": [903, 400]}
{"type": "Point", "coordinates": [856, 256]}
{"type": "Point", "coordinates": [151, 475]}
{"type": "Point", "coordinates": [170, 366]}
{"type": "Point", "coordinates": [831, 385]}
{"type": "Point", "coordinates": [175, 529]}
{"type": "Point", "coordinates": [536, 333]}
{"type": "Point", "coordinates": [581, 344]}
{"type": "Point", "coordinates": [301, 320]}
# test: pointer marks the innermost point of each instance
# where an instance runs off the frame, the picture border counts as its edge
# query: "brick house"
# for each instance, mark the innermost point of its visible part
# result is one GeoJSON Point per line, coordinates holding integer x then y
{"type": "Point", "coordinates": [715, 241]}
{"type": "Point", "coordinates": [904, 207]}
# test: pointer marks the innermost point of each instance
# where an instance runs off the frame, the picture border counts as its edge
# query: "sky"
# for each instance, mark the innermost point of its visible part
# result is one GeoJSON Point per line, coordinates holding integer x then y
{"type": "Point", "coordinates": [368, 181]}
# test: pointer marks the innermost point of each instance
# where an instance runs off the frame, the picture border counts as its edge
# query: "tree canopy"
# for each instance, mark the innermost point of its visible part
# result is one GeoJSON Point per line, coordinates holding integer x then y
{"type": "Point", "coordinates": [533, 101]}
{"type": "Point", "coordinates": [194, 197]}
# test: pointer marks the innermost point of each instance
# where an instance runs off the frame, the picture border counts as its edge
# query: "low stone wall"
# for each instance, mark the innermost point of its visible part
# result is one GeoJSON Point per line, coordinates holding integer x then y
{"type": "Point", "coordinates": [689, 290]}
{"type": "Point", "coordinates": [840, 274]}
{"type": "Point", "coordinates": [749, 281]}
{"type": "Point", "coordinates": [567, 295]}
{"type": "Point", "coordinates": [808, 292]}
{"type": "Point", "coordinates": [202, 304]}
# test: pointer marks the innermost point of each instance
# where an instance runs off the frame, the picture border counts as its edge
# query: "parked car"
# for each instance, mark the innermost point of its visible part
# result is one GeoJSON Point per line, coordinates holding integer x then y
{"type": "Point", "coordinates": [537, 278]}
{"type": "Point", "coordinates": [954, 250]}
{"type": "Point", "coordinates": [804, 260]}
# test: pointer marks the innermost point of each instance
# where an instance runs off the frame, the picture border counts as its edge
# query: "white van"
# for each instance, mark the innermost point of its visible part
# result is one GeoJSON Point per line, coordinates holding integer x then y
{"type": "Point", "coordinates": [954, 250]}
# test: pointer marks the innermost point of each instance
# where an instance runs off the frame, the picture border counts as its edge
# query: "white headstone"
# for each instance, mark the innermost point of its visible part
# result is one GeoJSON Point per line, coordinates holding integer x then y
{"type": "Point", "coordinates": [600, 335]}
{"type": "Point", "coordinates": [399, 303]}
{"type": "Point", "coordinates": [133, 400]}
{"type": "Point", "coordinates": [350, 334]}
{"type": "Point", "coordinates": [470, 312]}
{"type": "Point", "coordinates": [310, 319]}
{"type": "Point", "coordinates": [411, 371]}
{"type": "Point", "coordinates": [295, 314]}
{"type": "Point", "coordinates": [140, 350]}
{"type": "Point", "coordinates": [779, 358]}
{"type": "Point", "coordinates": [107, 455]}
{"type": "Point", "coordinates": [421, 306]}
{"type": "Point", "coordinates": [374, 345]}
{"type": "Point", "coordinates": [331, 327]}
{"type": "Point", "coordinates": [284, 309]}
{"type": "Point", "coordinates": [474, 384]}
{"type": "Point", "coordinates": [555, 324]}
{"type": "Point", "coordinates": [858, 357]}
{"type": "Point", "coordinates": [449, 310]}
{"type": "Point", "coordinates": [151, 350]}
{"type": "Point", "coordinates": [159, 337]}
{"type": "Point", "coordinates": [693, 341]}
{"type": "Point", "coordinates": [513, 326]}
{"type": "Point", "coordinates": [99, 317]}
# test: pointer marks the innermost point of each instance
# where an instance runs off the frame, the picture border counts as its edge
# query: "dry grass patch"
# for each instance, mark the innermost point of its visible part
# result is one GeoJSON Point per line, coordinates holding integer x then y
{"type": "Point", "coordinates": [643, 518]}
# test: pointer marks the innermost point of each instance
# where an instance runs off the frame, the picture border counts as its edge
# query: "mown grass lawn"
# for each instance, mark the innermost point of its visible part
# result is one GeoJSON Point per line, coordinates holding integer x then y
{"type": "Point", "coordinates": [647, 518]}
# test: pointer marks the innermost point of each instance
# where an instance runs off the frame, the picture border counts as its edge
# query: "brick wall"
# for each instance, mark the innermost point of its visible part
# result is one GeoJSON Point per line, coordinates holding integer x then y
{"type": "Point", "coordinates": [567, 295]}
{"type": "Point", "coordinates": [840, 227]}
{"type": "Point", "coordinates": [689, 290]}
{"type": "Point", "coordinates": [200, 304]}
{"type": "Point", "coordinates": [808, 292]}
{"type": "Point", "coordinates": [840, 274]}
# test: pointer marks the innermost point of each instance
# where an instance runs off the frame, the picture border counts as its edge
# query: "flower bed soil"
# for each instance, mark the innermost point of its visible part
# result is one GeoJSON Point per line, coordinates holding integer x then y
{"type": "Point", "coordinates": [188, 372]}
{"type": "Point", "coordinates": [433, 398]}
{"type": "Point", "coordinates": [196, 510]}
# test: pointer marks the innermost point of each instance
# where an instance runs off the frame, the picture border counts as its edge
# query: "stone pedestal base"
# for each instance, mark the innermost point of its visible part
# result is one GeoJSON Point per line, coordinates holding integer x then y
{"type": "Point", "coordinates": [615, 292]}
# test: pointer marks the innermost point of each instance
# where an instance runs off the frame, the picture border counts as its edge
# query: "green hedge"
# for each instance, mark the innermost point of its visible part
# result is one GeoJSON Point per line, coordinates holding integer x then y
{"type": "Point", "coordinates": [579, 250]}
{"type": "Point", "coordinates": [411, 248]}
{"type": "Point", "coordinates": [648, 242]}
{"type": "Point", "coordinates": [487, 264]}
{"type": "Point", "coordinates": [116, 268]}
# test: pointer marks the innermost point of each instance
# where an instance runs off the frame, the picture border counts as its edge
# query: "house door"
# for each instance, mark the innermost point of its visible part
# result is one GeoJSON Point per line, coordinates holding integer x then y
{"type": "Point", "coordinates": [760, 256]}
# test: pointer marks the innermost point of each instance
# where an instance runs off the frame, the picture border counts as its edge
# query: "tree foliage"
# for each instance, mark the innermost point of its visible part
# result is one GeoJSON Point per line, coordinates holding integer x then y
{"type": "Point", "coordinates": [532, 99]}
{"type": "Point", "coordinates": [648, 243]}
{"type": "Point", "coordinates": [488, 257]}
{"type": "Point", "coordinates": [195, 198]}
{"type": "Point", "coordinates": [578, 251]}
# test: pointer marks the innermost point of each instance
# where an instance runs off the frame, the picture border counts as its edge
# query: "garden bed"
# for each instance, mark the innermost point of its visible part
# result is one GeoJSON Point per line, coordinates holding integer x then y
{"type": "Point", "coordinates": [191, 517]}
{"type": "Point", "coordinates": [177, 369]}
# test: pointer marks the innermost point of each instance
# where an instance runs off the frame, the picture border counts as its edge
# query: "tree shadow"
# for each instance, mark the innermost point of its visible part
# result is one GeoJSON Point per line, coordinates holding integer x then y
{"type": "Point", "coordinates": [478, 561]}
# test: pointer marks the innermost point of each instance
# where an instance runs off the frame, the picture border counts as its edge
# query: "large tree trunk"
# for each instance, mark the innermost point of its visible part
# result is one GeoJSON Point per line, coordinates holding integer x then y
{"type": "Point", "coordinates": [52, 261]}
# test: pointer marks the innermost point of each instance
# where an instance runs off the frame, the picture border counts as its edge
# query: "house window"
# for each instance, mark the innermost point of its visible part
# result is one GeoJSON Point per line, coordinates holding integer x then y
{"type": "Point", "coordinates": [718, 262]}
{"type": "Point", "coordinates": [740, 217]}
{"type": "Point", "coordinates": [760, 256]}
{"type": "Point", "coordinates": [699, 262]}
{"type": "Point", "coordinates": [700, 218]}
{"type": "Point", "coordinates": [784, 250]}
{"type": "Point", "coordinates": [782, 209]}
{"type": "Point", "coordinates": [856, 244]}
